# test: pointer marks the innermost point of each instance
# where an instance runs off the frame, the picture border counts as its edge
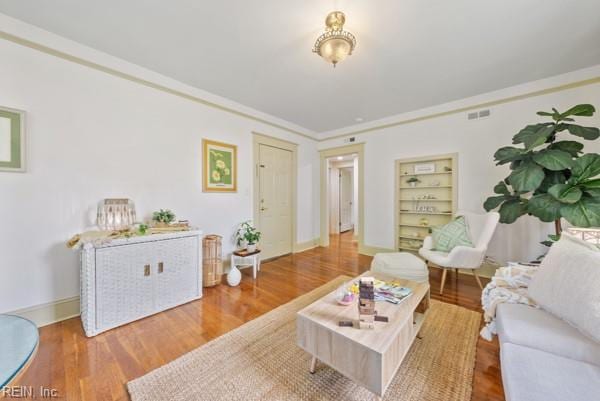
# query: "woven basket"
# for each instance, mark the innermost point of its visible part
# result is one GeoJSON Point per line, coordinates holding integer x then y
{"type": "Point", "coordinates": [212, 263]}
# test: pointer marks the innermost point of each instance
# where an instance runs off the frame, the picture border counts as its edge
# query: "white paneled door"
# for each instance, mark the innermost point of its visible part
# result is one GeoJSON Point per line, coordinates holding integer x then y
{"type": "Point", "coordinates": [275, 197]}
{"type": "Point", "coordinates": [346, 195]}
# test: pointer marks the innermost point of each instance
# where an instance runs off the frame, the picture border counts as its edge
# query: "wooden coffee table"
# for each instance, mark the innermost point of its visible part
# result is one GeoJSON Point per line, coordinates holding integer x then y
{"type": "Point", "coordinates": [370, 357]}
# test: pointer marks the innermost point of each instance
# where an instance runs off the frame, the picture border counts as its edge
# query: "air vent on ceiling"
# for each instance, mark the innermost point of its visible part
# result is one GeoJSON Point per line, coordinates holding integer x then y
{"type": "Point", "coordinates": [475, 115]}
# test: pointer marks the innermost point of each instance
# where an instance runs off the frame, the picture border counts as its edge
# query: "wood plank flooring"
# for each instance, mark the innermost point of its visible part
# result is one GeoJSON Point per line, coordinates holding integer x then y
{"type": "Point", "coordinates": [98, 368]}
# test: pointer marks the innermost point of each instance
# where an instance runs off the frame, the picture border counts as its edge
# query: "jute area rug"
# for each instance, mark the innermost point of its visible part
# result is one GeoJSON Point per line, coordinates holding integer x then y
{"type": "Point", "coordinates": [261, 361]}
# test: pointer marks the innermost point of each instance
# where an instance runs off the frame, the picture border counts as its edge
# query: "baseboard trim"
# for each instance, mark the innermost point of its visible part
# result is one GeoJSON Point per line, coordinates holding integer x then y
{"type": "Point", "coordinates": [51, 312]}
{"type": "Point", "coordinates": [305, 246]}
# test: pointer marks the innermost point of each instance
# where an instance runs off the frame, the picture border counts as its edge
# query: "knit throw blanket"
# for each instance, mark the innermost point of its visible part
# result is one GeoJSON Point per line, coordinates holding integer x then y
{"type": "Point", "coordinates": [509, 285]}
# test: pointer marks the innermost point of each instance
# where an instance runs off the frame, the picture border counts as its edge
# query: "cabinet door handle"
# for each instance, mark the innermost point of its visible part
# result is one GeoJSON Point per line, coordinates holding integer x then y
{"type": "Point", "coordinates": [146, 270]}
{"type": "Point", "coordinates": [161, 267]}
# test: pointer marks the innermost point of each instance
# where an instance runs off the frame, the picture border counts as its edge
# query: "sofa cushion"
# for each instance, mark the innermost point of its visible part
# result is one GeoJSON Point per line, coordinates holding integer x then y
{"type": "Point", "coordinates": [567, 284]}
{"type": "Point", "coordinates": [536, 328]}
{"type": "Point", "coordinates": [529, 374]}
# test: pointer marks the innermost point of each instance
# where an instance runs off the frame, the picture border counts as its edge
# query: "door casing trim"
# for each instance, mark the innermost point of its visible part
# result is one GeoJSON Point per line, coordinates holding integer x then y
{"type": "Point", "coordinates": [262, 139]}
{"type": "Point", "coordinates": [324, 154]}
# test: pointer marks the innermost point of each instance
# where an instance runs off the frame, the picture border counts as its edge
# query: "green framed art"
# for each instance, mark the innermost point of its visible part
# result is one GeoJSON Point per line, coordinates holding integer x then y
{"type": "Point", "coordinates": [12, 140]}
{"type": "Point", "coordinates": [220, 166]}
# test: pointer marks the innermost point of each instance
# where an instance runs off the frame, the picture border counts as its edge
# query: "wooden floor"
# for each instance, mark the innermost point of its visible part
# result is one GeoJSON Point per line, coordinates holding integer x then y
{"type": "Point", "coordinates": [98, 368]}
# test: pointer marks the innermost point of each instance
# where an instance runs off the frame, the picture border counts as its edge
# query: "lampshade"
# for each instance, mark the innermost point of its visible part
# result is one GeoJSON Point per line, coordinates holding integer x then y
{"type": "Point", "coordinates": [335, 44]}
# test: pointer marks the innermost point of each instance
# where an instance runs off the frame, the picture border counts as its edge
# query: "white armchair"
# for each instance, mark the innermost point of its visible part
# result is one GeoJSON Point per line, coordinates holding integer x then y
{"type": "Point", "coordinates": [481, 230]}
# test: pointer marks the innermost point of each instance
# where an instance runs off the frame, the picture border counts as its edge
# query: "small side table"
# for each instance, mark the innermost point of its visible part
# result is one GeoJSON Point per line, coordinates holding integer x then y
{"type": "Point", "coordinates": [244, 254]}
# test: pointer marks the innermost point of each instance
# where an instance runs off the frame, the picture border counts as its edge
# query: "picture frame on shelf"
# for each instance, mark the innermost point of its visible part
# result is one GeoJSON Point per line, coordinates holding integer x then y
{"type": "Point", "coordinates": [219, 162]}
{"type": "Point", "coordinates": [12, 140]}
{"type": "Point", "coordinates": [424, 168]}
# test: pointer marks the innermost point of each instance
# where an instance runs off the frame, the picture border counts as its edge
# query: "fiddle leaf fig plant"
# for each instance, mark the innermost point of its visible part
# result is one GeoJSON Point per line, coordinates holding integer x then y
{"type": "Point", "coordinates": [550, 178]}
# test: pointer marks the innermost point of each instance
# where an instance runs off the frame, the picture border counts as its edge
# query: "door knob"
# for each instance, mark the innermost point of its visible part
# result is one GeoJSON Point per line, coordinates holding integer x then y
{"type": "Point", "coordinates": [146, 270]}
{"type": "Point", "coordinates": [161, 267]}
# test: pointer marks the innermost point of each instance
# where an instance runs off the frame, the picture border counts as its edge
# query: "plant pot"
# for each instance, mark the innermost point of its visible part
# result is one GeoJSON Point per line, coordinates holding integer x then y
{"type": "Point", "coordinates": [160, 224]}
{"type": "Point", "coordinates": [251, 247]}
{"type": "Point", "coordinates": [412, 184]}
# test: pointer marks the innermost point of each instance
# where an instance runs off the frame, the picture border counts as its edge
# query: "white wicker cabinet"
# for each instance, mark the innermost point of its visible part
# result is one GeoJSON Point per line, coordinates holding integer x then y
{"type": "Point", "coordinates": [128, 279]}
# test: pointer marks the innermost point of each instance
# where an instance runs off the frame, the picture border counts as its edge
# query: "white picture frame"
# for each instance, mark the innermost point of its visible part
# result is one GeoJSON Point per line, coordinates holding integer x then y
{"type": "Point", "coordinates": [424, 168]}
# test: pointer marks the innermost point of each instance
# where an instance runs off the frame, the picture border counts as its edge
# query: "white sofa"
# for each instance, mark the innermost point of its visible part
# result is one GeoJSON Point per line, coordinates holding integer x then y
{"type": "Point", "coordinates": [543, 358]}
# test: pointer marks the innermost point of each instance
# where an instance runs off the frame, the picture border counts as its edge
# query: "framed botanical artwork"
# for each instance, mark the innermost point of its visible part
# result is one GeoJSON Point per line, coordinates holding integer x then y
{"type": "Point", "coordinates": [12, 140]}
{"type": "Point", "coordinates": [220, 167]}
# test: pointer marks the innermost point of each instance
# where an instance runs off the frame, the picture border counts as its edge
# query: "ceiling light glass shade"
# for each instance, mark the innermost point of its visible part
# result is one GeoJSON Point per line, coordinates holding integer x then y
{"type": "Point", "coordinates": [335, 44]}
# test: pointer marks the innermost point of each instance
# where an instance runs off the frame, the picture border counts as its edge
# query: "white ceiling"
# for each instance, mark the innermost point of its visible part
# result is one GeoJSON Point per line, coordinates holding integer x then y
{"type": "Point", "coordinates": [411, 54]}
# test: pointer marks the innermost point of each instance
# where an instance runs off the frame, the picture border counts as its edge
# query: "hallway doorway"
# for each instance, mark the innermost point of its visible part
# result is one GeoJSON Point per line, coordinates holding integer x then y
{"type": "Point", "coordinates": [342, 190]}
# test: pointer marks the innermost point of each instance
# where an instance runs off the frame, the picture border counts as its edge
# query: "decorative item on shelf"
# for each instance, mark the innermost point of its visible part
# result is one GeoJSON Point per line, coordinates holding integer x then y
{"type": "Point", "coordinates": [12, 140]}
{"type": "Point", "coordinates": [163, 218]}
{"type": "Point", "coordinates": [344, 295]}
{"type": "Point", "coordinates": [435, 183]}
{"type": "Point", "coordinates": [115, 214]}
{"type": "Point", "coordinates": [414, 244]}
{"type": "Point", "coordinates": [413, 181]}
{"type": "Point", "coordinates": [424, 168]}
{"type": "Point", "coordinates": [248, 234]}
{"type": "Point", "coordinates": [424, 222]}
{"type": "Point", "coordinates": [335, 44]}
{"type": "Point", "coordinates": [220, 167]}
{"type": "Point", "coordinates": [366, 303]}
{"type": "Point", "coordinates": [212, 261]}
{"type": "Point", "coordinates": [427, 209]}
{"type": "Point", "coordinates": [447, 169]}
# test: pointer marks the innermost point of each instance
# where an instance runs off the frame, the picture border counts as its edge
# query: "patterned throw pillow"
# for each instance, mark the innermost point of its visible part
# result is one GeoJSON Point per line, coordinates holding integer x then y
{"type": "Point", "coordinates": [453, 234]}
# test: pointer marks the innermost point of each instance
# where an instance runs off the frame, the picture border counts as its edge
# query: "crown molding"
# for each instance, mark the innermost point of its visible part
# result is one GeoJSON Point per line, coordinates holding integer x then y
{"type": "Point", "coordinates": [575, 79]}
{"type": "Point", "coordinates": [29, 36]}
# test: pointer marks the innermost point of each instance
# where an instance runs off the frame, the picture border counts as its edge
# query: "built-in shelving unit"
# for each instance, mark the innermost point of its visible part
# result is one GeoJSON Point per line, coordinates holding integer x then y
{"type": "Point", "coordinates": [429, 203]}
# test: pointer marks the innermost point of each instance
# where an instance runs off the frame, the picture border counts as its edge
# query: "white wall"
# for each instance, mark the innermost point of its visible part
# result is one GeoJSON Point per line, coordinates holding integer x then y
{"type": "Point", "coordinates": [476, 142]}
{"type": "Point", "coordinates": [92, 135]}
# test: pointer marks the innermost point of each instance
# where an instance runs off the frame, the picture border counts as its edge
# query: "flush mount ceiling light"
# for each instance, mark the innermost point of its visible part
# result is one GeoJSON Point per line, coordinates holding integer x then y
{"type": "Point", "coordinates": [335, 44]}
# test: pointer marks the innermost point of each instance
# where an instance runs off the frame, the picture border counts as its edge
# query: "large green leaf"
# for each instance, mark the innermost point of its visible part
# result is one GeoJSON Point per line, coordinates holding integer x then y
{"type": "Point", "coordinates": [586, 166]}
{"type": "Point", "coordinates": [527, 177]}
{"type": "Point", "coordinates": [551, 178]}
{"type": "Point", "coordinates": [553, 159]}
{"type": "Point", "coordinates": [493, 202]}
{"type": "Point", "coordinates": [565, 193]}
{"type": "Point", "coordinates": [581, 110]}
{"type": "Point", "coordinates": [511, 210]}
{"type": "Point", "coordinates": [534, 135]}
{"type": "Point", "coordinates": [501, 189]}
{"type": "Point", "coordinates": [592, 187]}
{"type": "Point", "coordinates": [571, 147]}
{"type": "Point", "coordinates": [508, 154]}
{"type": "Point", "coordinates": [589, 133]}
{"type": "Point", "coordinates": [544, 207]}
{"type": "Point", "coordinates": [585, 213]}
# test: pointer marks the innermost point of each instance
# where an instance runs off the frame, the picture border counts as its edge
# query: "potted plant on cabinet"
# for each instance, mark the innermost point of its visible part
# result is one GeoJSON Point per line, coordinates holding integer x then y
{"type": "Point", "coordinates": [248, 236]}
{"type": "Point", "coordinates": [163, 217]}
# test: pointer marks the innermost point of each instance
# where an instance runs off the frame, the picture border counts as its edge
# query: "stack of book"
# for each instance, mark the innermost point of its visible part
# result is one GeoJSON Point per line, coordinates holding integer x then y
{"type": "Point", "coordinates": [390, 292]}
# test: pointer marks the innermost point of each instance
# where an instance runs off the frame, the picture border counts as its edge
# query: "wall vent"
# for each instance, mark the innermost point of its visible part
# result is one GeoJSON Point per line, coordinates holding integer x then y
{"type": "Point", "coordinates": [351, 139]}
{"type": "Point", "coordinates": [475, 115]}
